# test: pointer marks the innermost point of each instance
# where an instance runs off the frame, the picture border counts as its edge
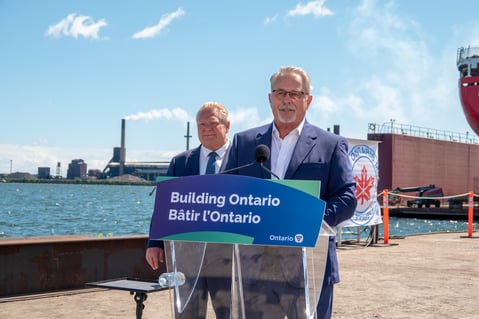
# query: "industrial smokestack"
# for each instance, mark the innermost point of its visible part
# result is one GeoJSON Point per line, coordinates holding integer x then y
{"type": "Point", "coordinates": [122, 148]}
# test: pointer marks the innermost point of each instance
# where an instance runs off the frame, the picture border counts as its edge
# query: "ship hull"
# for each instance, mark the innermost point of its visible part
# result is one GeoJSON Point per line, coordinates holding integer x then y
{"type": "Point", "coordinates": [469, 95]}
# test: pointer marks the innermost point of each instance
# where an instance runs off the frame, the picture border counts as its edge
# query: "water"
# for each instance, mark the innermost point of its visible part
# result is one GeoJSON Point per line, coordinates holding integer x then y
{"type": "Point", "coordinates": [28, 209]}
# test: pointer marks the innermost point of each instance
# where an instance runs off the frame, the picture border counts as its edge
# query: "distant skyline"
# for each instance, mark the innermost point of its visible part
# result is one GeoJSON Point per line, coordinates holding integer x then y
{"type": "Point", "coordinates": [71, 70]}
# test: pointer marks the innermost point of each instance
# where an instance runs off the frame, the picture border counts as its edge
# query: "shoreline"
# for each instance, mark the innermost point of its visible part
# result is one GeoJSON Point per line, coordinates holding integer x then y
{"type": "Point", "coordinates": [110, 181]}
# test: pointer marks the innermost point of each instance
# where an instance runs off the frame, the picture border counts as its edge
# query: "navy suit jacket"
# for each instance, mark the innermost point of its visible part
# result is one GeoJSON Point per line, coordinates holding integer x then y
{"type": "Point", "coordinates": [318, 155]}
{"type": "Point", "coordinates": [184, 164]}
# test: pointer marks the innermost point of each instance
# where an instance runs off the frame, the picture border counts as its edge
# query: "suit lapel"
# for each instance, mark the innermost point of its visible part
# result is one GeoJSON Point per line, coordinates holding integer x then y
{"type": "Point", "coordinates": [306, 142]}
{"type": "Point", "coordinates": [264, 137]}
{"type": "Point", "coordinates": [193, 162]}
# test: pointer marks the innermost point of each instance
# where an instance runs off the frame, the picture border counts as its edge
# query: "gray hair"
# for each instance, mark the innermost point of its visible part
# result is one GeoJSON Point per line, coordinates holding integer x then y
{"type": "Point", "coordinates": [218, 108]}
{"type": "Point", "coordinates": [295, 70]}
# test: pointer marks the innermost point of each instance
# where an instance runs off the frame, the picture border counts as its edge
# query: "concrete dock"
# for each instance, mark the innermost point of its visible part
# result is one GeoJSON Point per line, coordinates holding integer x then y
{"type": "Point", "coordinates": [424, 276]}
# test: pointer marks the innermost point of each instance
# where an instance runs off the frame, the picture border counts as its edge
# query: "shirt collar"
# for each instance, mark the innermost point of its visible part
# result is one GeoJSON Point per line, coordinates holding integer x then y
{"type": "Point", "coordinates": [296, 130]}
{"type": "Point", "coordinates": [221, 151]}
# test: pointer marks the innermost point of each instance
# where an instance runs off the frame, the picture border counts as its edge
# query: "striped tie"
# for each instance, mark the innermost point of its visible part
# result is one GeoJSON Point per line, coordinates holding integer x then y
{"type": "Point", "coordinates": [210, 166]}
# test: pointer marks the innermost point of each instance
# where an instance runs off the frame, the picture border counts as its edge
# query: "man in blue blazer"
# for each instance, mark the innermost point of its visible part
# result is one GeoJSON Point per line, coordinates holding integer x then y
{"type": "Point", "coordinates": [299, 150]}
{"type": "Point", "coordinates": [210, 262]}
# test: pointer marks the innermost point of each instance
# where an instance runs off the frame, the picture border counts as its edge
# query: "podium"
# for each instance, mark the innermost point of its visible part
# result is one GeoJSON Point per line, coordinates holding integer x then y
{"type": "Point", "coordinates": [258, 247]}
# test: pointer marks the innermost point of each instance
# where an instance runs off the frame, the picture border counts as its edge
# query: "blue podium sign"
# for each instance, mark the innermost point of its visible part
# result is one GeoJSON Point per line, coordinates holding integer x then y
{"type": "Point", "coordinates": [238, 210]}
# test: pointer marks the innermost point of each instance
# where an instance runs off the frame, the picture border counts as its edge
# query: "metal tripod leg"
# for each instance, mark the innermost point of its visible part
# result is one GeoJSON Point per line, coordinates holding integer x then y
{"type": "Point", "coordinates": [140, 297]}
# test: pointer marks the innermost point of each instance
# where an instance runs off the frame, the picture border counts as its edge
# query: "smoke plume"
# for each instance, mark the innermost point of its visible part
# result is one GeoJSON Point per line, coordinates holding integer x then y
{"type": "Point", "coordinates": [175, 114]}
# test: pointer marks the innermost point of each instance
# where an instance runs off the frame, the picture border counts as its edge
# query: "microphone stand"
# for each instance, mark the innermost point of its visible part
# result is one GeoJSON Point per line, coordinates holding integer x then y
{"type": "Point", "coordinates": [268, 170]}
{"type": "Point", "coordinates": [236, 168]}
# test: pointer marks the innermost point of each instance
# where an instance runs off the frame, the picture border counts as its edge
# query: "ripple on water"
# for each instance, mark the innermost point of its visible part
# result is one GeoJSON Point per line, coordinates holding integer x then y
{"type": "Point", "coordinates": [71, 209]}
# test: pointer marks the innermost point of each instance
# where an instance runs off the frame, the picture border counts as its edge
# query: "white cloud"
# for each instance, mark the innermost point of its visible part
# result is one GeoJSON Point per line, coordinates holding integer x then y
{"type": "Point", "coordinates": [316, 8]}
{"type": "Point", "coordinates": [240, 120]}
{"type": "Point", "coordinates": [76, 26]}
{"type": "Point", "coordinates": [270, 20]}
{"type": "Point", "coordinates": [324, 104]}
{"type": "Point", "coordinates": [153, 31]}
{"type": "Point", "coordinates": [61, 27]}
{"type": "Point", "coordinates": [406, 79]}
{"type": "Point", "coordinates": [246, 118]}
{"type": "Point", "coordinates": [27, 158]}
{"type": "Point", "coordinates": [176, 113]}
{"type": "Point", "coordinates": [326, 108]}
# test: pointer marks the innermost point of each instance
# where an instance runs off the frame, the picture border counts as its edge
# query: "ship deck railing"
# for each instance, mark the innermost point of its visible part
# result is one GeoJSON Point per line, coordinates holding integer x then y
{"type": "Point", "coordinates": [417, 131]}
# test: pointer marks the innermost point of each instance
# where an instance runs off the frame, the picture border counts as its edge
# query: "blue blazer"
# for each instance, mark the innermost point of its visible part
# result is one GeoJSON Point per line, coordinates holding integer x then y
{"type": "Point", "coordinates": [318, 155]}
{"type": "Point", "coordinates": [184, 164]}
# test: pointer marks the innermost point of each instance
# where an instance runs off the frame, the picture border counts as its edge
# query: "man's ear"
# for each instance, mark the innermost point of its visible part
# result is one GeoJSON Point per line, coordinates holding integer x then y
{"type": "Point", "coordinates": [227, 125]}
{"type": "Point", "coordinates": [309, 100]}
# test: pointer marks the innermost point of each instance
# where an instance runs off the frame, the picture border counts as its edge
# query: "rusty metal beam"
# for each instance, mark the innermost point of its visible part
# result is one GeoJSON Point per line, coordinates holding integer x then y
{"type": "Point", "coordinates": [41, 264]}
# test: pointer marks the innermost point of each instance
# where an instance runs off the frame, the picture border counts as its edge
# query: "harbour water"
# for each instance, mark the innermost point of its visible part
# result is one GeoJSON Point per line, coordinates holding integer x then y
{"type": "Point", "coordinates": [31, 209]}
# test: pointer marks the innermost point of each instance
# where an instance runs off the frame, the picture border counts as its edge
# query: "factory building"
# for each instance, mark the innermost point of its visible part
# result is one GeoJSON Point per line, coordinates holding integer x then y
{"type": "Point", "coordinates": [77, 169]}
{"type": "Point", "coordinates": [118, 165]}
{"type": "Point", "coordinates": [44, 173]}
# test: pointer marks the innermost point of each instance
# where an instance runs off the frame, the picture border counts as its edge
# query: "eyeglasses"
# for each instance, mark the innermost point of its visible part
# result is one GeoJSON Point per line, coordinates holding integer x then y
{"type": "Point", "coordinates": [294, 95]}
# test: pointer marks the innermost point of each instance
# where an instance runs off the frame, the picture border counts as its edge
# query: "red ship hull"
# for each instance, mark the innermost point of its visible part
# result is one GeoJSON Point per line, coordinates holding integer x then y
{"type": "Point", "coordinates": [469, 94]}
{"type": "Point", "coordinates": [468, 66]}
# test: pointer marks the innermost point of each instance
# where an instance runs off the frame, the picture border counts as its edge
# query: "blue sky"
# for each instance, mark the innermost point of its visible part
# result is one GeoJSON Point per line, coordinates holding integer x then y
{"type": "Point", "coordinates": [71, 70]}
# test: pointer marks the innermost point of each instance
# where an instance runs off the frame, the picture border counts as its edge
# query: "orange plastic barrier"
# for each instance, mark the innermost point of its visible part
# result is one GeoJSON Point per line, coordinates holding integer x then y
{"type": "Point", "coordinates": [470, 214]}
{"type": "Point", "coordinates": [386, 216]}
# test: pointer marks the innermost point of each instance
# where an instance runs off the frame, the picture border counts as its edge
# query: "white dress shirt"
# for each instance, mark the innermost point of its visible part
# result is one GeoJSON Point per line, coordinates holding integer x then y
{"type": "Point", "coordinates": [282, 149]}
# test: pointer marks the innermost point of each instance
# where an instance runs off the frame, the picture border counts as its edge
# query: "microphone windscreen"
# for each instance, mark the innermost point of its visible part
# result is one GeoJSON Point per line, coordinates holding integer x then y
{"type": "Point", "coordinates": [261, 153]}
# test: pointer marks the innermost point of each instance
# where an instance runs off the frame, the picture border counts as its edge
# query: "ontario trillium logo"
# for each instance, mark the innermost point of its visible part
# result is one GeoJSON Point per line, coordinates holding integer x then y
{"type": "Point", "coordinates": [298, 238]}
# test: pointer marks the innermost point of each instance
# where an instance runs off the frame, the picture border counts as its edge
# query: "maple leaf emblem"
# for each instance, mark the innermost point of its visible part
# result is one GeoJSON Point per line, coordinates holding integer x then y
{"type": "Point", "coordinates": [364, 185]}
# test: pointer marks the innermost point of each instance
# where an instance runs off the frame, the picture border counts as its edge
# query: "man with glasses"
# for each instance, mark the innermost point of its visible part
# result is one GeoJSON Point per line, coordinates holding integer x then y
{"type": "Point", "coordinates": [299, 150]}
{"type": "Point", "coordinates": [215, 271]}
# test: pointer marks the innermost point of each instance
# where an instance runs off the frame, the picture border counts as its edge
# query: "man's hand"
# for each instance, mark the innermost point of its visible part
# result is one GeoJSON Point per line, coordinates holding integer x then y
{"type": "Point", "coordinates": [154, 255]}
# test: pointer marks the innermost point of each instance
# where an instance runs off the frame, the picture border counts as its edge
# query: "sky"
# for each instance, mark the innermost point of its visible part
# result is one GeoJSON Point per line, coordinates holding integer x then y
{"type": "Point", "coordinates": [70, 71]}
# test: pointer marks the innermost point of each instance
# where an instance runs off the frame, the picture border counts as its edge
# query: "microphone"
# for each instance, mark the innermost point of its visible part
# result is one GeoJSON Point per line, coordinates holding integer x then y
{"type": "Point", "coordinates": [261, 155]}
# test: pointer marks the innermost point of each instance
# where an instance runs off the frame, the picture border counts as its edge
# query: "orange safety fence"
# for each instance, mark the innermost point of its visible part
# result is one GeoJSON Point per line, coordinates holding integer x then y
{"type": "Point", "coordinates": [385, 206]}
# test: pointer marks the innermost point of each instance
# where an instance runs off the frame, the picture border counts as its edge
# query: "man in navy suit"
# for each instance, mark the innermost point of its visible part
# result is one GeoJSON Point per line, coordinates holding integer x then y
{"type": "Point", "coordinates": [214, 269]}
{"type": "Point", "coordinates": [299, 150]}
